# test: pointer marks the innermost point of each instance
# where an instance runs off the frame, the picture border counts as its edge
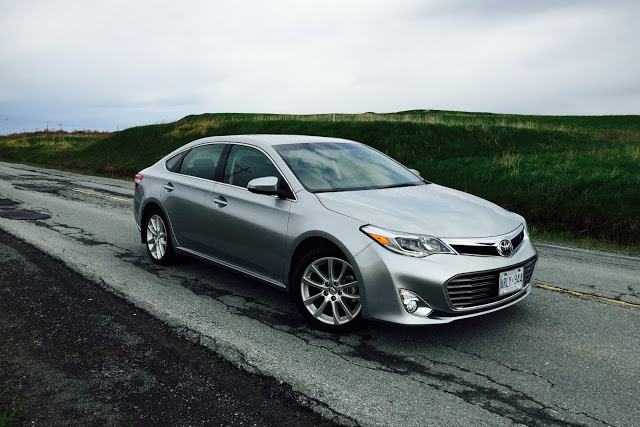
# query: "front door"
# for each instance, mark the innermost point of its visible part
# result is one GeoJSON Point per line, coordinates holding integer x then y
{"type": "Point", "coordinates": [250, 230]}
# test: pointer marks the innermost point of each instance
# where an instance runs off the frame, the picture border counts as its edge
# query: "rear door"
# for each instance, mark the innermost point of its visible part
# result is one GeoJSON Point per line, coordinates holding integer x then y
{"type": "Point", "coordinates": [188, 194]}
{"type": "Point", "coordinates": [249, 229]}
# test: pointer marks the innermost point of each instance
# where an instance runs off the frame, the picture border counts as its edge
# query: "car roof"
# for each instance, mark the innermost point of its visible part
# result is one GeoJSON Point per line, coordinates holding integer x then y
{"type": "Point", "coordinates": [269, 139]}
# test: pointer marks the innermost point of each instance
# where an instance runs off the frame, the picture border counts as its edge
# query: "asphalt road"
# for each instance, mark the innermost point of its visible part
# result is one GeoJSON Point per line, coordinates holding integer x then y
{"type": "Point", "coordinates": [75, 355]}
{"type": "Point", "coordinates": [557, 358]}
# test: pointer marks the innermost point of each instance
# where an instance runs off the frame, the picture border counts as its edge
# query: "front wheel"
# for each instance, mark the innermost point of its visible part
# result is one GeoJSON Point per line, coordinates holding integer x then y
{"type": "Point", "coordinates": [158, 238]}
{"type": "Point", "coordinates": [326, 291]}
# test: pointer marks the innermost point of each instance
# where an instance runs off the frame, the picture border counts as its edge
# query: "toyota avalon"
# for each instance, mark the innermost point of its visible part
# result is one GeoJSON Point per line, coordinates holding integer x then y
{"type": "Point", "coordinates": [347, 231]}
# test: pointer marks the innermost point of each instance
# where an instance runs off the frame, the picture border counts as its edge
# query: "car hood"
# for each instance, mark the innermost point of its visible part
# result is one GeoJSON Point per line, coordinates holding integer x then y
{"type": "Point", "coordinates": [424, 209]}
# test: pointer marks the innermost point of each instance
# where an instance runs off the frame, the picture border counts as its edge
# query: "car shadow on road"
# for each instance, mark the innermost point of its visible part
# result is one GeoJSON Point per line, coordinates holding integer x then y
{"type": "Point", "coordinates": [371, 341]}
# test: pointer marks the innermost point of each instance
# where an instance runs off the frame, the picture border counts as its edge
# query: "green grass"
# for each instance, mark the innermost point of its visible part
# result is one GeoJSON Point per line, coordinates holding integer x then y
{"type": "Point", "coordinates": [11, 413]}
{"type": "Point", "coordinates": [577, 177]}
{"type": "Point", "coordinates": [568, 238]}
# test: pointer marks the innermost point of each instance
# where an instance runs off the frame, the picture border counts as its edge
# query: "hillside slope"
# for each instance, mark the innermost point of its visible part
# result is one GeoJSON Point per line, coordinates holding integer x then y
{"type": "Point", "coordinates": [572, 175]}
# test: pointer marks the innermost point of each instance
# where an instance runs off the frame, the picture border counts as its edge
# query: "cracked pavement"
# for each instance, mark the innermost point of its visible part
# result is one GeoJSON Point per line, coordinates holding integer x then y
{"type": "Point", "coordinates": [554, 359]}
{"type": "Point", "coordinates": [73, 354]}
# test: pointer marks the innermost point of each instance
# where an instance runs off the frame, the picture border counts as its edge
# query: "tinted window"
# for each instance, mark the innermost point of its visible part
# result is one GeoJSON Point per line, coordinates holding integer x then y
{"type": "Point", "coordinates": [171, 163]}
{"type": "Point", "coordinates": [245, 164]}
{"type": "Point", "coordinates": [202, 161]}
{"type": "Point", "coordinates": [344, 166]}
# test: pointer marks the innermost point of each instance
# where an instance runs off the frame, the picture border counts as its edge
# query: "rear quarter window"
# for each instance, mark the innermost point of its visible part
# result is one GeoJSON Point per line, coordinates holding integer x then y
{"type": "Point", "coordinates": [172, 162]}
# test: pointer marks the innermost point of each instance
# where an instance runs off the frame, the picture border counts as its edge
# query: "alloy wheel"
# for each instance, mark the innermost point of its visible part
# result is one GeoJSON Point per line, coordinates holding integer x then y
{"type": "Point", "coordinates": [330, 291]}
{"type": "Point", "coordinates": [156, 237]}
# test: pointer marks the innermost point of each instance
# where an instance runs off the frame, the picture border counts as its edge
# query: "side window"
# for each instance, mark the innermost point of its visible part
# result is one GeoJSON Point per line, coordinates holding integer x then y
{"type": "Point", "coordinates": [202, 161]}
{"type": "Point", "coordinates": [245, 164]}
{"type": "Point", "coordinates": [171, 163]}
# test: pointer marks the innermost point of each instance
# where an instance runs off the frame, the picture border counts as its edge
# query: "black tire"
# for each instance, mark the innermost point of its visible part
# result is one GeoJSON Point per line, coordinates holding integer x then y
{"type": "Point", "coordinates": [332, 305]}
{"type": "Point", "coordinates": [157, 235]}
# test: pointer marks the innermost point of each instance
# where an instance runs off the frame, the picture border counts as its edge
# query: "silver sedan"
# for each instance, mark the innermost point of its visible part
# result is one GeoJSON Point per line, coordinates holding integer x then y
{"type": "Point", "coordinates": [349, 232]}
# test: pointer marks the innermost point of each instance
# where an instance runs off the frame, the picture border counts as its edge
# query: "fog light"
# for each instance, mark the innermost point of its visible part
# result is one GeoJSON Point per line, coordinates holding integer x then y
{"type": "Point", "coordinates": [409, 301]}
{"type": "Point", "coordinates": [410, 305]}
{"type": "Point", "coordinates": [413, 304]}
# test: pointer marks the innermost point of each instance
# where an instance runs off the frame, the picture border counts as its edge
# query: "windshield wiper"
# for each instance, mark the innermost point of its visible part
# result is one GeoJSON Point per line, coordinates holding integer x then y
{"type": "Point", "coordinates": [406, 184]}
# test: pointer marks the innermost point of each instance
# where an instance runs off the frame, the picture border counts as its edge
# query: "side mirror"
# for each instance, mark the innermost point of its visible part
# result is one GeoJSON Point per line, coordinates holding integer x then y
{"type": "Point", "coordinates": [415, 172]}
{"type": "Point", "coordinates": [266, 185]}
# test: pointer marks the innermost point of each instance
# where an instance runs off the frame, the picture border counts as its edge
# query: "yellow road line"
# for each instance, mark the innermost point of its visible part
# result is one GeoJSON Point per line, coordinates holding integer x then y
{"type": "Point", "coordinates": [120, 199]}
{"type": "Point", "coordinates": [582, 294]}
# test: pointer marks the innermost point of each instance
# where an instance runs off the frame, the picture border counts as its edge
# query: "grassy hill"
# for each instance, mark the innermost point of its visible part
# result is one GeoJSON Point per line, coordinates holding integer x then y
{"type": "Point", "coordinates": [577, 177]}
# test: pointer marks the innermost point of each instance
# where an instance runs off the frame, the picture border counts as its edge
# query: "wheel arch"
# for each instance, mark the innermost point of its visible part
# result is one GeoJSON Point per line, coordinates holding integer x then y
{"type": "Point", "coordinates": [149, 206]}
{"type": "Point", "coordinates": [307, 243]}
{"type": "Point", "coordinates": [321, 250]}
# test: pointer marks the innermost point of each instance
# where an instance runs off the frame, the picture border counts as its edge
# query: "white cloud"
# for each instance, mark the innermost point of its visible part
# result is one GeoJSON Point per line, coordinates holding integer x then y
{"type": "Point", "coordinates": [107, 64]}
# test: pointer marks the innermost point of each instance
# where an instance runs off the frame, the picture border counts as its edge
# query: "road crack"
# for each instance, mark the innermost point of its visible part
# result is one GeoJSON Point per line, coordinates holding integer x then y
{"type": "Point", "coordinates": [496, 397]}
{"type": "Point", "coordinates": [76, 233]}
{"type": "Point", "coordinates": [498, 362]}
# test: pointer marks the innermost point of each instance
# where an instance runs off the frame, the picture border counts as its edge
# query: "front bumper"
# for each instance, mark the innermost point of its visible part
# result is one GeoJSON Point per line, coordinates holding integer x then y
{"type": "Point", "coordinates": [384, 273]}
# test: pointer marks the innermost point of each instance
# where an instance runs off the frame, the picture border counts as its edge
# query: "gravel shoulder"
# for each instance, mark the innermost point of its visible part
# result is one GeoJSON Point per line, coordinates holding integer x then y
{"type": "Point", "coordinates": [78, 355]}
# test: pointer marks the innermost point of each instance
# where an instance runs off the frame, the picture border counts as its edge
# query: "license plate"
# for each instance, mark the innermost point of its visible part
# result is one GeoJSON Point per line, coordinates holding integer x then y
{"type": "Point", "coordinates": [511, 281]}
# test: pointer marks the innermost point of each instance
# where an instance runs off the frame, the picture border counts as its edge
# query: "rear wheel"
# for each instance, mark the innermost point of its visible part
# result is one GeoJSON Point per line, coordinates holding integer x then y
{"type": "Point", "coordinates": [158, 238]}
{"type": "Point", "coordinates": [326, 290]}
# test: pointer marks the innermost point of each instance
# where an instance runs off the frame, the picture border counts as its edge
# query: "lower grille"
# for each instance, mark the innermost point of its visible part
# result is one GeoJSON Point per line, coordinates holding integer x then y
{"type": "Point", "coordinates": [481, 288]}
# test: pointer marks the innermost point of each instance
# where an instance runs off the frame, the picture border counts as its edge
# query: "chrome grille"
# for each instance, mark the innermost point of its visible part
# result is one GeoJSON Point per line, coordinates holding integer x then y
{"type": "Point", "coordinates": [486, 249]}
{"type": "Point", "coordinates": [481, 288]}
{"type": "Point", "coordinates": [515, 242]}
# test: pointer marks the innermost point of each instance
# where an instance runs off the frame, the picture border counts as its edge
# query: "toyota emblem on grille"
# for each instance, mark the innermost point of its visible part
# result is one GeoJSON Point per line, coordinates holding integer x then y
{"type": "Point", "coordinates": [505, 248]}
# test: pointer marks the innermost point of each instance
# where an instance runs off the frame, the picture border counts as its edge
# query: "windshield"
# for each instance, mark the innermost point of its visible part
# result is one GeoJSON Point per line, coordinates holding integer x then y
{"type": "Point", "coordinates": [344, 166]}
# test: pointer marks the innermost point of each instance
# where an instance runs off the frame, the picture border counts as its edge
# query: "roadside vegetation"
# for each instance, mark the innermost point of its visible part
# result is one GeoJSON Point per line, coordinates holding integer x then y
{"type": "Point", "coordinates": [11, 412]}
{"type": "Point", "coordinates": [575, 178]}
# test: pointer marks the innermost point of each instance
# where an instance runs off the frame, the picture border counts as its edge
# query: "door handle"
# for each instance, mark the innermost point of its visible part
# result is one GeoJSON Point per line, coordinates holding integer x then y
{"type": "Point", "coordinates": [220, 201]}
{"type": "Point", "coordinates": [168, 186]}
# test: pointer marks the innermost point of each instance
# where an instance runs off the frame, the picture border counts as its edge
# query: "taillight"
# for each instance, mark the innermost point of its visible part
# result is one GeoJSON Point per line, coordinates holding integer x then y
{"type": "Point", "coordinates": [138, 179]}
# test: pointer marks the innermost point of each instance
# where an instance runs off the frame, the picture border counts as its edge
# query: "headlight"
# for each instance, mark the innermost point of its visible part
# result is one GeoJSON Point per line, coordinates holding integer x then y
{"type": "Point", "coordinates": [407, 244]}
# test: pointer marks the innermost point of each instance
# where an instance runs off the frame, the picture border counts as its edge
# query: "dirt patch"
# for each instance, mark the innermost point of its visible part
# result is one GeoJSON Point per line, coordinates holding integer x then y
{"type": "Point", "coordinates": [41, 188]}
{"type": "Point", "coordinates": [11, 210]}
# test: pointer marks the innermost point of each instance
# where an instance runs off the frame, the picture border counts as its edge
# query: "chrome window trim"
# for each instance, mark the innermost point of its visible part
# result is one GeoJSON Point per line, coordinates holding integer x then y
{"type": "Point", "coordinates": [164, 165]}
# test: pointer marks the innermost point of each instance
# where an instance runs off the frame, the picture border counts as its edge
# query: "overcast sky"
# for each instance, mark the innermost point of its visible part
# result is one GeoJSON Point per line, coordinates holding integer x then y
{"type": "Point", "coordinates": [107, 65]}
